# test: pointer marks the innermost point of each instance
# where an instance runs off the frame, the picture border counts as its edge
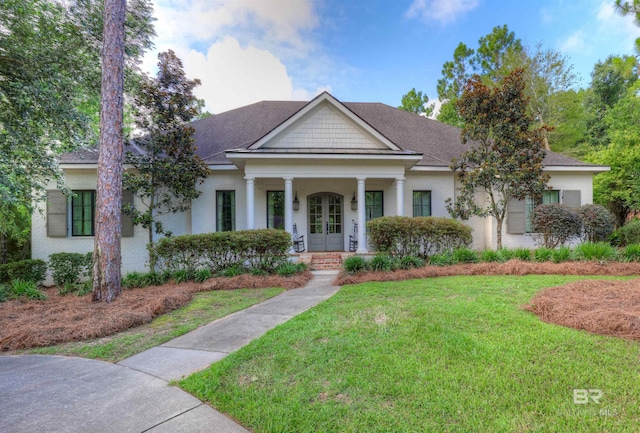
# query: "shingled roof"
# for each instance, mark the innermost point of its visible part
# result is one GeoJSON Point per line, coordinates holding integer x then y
{"type": "Point", "coordinates": [238, 129]}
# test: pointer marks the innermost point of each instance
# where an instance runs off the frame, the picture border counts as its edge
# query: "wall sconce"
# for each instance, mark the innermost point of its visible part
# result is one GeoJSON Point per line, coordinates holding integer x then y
{"type": "Point", "coordinates": [296, 202]}
{"type": "Point", "coordinates": [354, 202]}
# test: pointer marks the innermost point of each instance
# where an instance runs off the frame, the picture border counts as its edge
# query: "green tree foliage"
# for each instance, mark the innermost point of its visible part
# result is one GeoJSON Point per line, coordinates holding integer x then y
{"type": "Point", "coordinates": [619, 189]}
{"type": "Point", "coordinates": [15, 232]}
{"type": "Point", "coordinates": [506, 152]}
{"type": "Point", "coordinates": [50, 85]}
{"type": "Point", "coordinates": [609, 83]}
{"type": "Point", "coordinates": [487, 61]}
{"type": "Point", "coordinates": [547, 73]}
{"type": "Point", "coordinates": [166, 170]}
{"type": "Point", "coordinates": [630, 8]}
{"type": "Point", "coordinates": [569, 132]}
{"type": "Point", "coordinates": [44, 72]}
{"type": "Point", "coordinates": [417, 103]}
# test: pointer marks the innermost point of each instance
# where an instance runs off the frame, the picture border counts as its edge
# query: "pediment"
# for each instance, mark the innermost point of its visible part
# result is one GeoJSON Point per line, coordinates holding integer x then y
{"type": "Point", "coordinates": [325, 124]}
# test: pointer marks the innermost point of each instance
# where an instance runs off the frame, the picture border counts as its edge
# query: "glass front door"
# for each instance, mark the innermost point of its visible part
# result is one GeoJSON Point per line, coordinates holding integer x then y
{"type": "Point", "coordinates": [326, 222]}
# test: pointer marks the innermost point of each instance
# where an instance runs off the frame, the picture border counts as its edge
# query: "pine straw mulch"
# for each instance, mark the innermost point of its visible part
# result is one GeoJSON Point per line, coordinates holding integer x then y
{"type": "Point", "coordinates": [598, 306]}
{"type": "Point", "coordinates": [60, 319]}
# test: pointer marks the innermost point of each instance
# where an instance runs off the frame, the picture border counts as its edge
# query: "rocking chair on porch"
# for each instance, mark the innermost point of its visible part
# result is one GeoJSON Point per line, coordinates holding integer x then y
{"type": "Point", "coordinates": [298, 241]}
{"type": "Point", "coordinates": [353, 239]}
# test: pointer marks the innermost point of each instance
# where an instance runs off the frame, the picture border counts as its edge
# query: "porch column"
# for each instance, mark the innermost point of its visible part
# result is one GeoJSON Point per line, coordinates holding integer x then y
{"type": "Point", "coordinates": [251, 217]}
{"type": "Point", "coordinates": [362, 240]}
{"type": "Point", "coordinates": [288, 205]}
{"type": "Point", "coordinates": [400, 196]}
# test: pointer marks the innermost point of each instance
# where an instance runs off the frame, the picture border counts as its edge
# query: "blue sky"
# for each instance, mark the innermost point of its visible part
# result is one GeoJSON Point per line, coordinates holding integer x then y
{"type": "Point", "coordinates": [245, 51]}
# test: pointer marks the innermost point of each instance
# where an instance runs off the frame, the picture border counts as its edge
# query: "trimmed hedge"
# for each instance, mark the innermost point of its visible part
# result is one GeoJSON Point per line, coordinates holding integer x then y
{"type": "Point", "coordinates": [262, 249]}
{"type": "Point", "coordinates": [32, 270]}
{"type": "Point", "coordinates": [417, 236]}
{"type": "Point", "coordinates": [70, 268]}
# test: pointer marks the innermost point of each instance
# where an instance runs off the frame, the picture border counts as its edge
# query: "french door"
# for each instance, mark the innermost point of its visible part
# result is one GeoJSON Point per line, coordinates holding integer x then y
{"type": "Point", "coordinates": [326, 222]}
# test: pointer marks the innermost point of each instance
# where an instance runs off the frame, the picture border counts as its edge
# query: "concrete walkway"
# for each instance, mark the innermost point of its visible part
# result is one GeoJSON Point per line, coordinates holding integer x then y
{"type": "Point", "coordinates": [64, 394]}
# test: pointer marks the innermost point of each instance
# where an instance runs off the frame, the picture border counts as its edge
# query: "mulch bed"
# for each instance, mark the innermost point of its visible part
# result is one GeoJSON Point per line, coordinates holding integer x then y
{"type": "Point", "coordinates": [598, 306]}
{"type": "Point", "coordinates": [60, 319]}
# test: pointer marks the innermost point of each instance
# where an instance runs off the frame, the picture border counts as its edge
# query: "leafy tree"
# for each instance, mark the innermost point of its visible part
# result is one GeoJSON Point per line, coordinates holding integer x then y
{"type": "Point", "coordinates": [166, 170]}
{"type": "Point", "coordinates": [609, 83]}
{"type": "Point", "coordinates": [15, 232]}
{"type": "Point", "coordinates": [506, 153]}
{"type": "Point", "coordinates": [546, 74]}
{"type": "Point", "coordinates": [43, 74]}
{"type": "Point", "coordinates": [630, 8]}
{"type": "Point", "coordinates": [417, 103]}
{"type": "Point", "coordinates": [108, 227]}
{"type": "Point", "coordinates": [569, 132]}
{"type": "Point", "coordinates": [488, 61]}
{"type": "Point", "coordinates": [619, 189]}
{"type": "Point", "coordinates": [50, 86]}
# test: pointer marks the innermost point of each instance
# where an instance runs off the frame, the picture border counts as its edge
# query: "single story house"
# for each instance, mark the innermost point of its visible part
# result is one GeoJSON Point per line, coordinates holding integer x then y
{"type": "Point", "coordinates": [319, 166]}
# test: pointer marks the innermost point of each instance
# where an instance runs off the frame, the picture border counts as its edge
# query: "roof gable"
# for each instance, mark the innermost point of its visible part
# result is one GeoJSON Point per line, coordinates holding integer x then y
{"type": "Point", "coordinates": [325, 123]}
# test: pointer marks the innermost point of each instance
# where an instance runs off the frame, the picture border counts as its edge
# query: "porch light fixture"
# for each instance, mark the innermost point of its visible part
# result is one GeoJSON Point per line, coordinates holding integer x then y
{"type": "Point", "coordinates": [296, 202]}
{"type": "Point", "coordinates": [354, 202]}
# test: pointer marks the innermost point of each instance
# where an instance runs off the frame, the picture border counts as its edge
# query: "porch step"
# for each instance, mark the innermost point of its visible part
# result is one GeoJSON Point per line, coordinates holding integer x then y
{"type": "Point", "coordinates": [326, 261]}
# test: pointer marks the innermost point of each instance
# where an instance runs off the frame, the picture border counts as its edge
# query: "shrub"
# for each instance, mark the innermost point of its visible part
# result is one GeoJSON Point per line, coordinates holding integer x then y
{"type": "Point", "coordinates": [555, 224]}
{"type": "Point", "coordinates": [233, 271]}
{"type": "Point", "coordinates": [562, 254]}
{"type": "Point", "coordinates": [597, 223]}
{"type": "Point", "coordinates": [595, 251]}
{"type": "Point", "coordinates": [632, 253]}
{"type": "Point", "coordinates": [465, 255]}
{"type": "Point", "coordinates": [84, 288]}
{"type": "Point", "coordinates": [69, 267]}
{"type": "Point", "coordinates": [155, 278]}
{"type": "Point", "coordinates": [181, 276]}
{"type": "Point", "coordinates": [442, 259]}
{"type": "Point", "coordinates": [287, 269]}
{"type": "Point", "coordinates": [133, 280]}
{"type": "Point", "coordinates": [408, 262]}
{"type": "Point", "coordinates": [418, 236]}
{"type": "Point", "coordinates": [543, 254]}
{"type": "Point", "coordinates": [33, 270]}
{"type": "Point", "coordinates": [522, 254]}
{"type": "Point", "coordinates": [202, 275]}
{"type": "Point", "coordinates": [628, 234]}
{"type": "Point", "coordinates": [505, 254]}
{"type": "Point", "coordinates": [489, 256]}
{"type": "Point", "coordinates": [354, 264]}
{"type": "Point", "coordinates": [25, 289]}
{"type": "Point", "coordinates": [4, 292]}
{"type": "Point", "coordinates": [263, 249]}
{"type": "Point", "coordinates": [381, 262]}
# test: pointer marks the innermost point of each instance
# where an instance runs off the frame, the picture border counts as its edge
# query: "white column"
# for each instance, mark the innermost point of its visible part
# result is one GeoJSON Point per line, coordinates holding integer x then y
{"type": "Point", "coordinates": [251, 217]}
{"type": "Point", "coordinates": [288, 204]}
{"type": "Point", "coordinates": [400, 196]}
{"type": "Point", "coordinates": [362, 240]}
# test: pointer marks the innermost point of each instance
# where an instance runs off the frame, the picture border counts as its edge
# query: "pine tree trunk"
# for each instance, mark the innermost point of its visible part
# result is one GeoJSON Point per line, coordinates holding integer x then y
{"type": "Point", "coordinates": [108, 228]}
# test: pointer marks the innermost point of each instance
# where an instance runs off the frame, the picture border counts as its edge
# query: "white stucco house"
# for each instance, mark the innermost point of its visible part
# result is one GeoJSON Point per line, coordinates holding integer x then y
{"type": "Point", "coordinates": [321, 165]}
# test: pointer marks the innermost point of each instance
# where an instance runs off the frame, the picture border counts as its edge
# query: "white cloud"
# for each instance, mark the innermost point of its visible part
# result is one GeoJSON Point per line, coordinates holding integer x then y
{"type": "Point", "coordinates": [239, 48]}
{"type": "Point", "coordinates": [574, 43]}
{"type": "Point", "coordinates": [621, 31]}
{"type": "Point", "coordinates": [233, 76]}
{"type": "Point", "coordinates": [444, 11]}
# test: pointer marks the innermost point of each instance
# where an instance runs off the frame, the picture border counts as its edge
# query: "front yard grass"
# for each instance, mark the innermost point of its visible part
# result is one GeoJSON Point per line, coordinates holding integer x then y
{"type": "Point", "coordinates": [451, 354]}
{"type": "Point", "coordinates": [204, 308]}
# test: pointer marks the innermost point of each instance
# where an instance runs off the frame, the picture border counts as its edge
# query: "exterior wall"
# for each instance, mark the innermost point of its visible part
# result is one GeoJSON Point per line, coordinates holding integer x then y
{"type": "Point", "coordinates": [559, 181]}
{"type": "Point", "coordinates": [202, 217]}
{"type": "Point", "coordinates": [134, 253]}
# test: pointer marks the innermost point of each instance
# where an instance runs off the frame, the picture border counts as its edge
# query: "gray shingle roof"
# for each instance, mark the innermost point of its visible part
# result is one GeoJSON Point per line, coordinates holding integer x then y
{"type": "Point", "coordinates": [242, 127]}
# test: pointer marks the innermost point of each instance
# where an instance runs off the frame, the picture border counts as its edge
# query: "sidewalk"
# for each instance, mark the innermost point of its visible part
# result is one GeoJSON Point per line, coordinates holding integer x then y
{"type": "Point", "coordinates": [64, 394]}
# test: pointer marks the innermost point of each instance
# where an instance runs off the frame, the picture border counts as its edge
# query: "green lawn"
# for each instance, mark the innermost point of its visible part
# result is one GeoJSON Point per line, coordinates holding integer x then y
{"type": "Point", "coordinates": [204, 308]}
{"type": "Point", "coordinates": [455, 354]}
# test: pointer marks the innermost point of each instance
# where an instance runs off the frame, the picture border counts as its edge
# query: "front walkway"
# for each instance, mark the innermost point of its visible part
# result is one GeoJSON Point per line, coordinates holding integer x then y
{"type": "Point", "coordinates": [65, 394]}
